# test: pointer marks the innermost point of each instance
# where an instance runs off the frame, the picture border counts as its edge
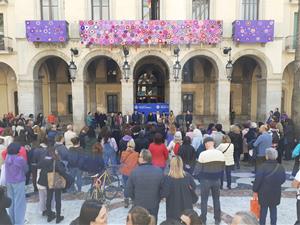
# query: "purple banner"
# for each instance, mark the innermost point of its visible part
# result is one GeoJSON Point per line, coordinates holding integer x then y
{"type": "Point", "coordinates": [253, 31]}
{"type": "Point", "coordinates": [46, 30]}
{"type": "Point", "coordinates": [150, 32]}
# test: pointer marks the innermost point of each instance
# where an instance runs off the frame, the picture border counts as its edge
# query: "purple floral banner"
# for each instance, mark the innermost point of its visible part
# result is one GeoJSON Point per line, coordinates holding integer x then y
{"type": "Point", "coordinates": [47, 30]}
{"type": "Point", "coordinates": [253, 31]}
{"type": "Point", "coordinates": [150, 32]}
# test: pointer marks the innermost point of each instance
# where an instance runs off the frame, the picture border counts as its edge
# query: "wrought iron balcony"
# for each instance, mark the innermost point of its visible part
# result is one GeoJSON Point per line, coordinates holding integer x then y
{"type": "Point", "coordinates": [290, 43]}
{"type": "Point", "coordinates": [150, 32]}
{"type": "Point", "coordinates": [49, 31]}
{"type": "Point", "coordinates": [6, 44]}
{"type": "Point", "coordinates": [253, 31]}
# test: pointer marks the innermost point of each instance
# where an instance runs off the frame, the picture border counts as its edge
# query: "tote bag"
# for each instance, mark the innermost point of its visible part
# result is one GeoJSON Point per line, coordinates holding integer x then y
{"type": "Point", "coordinates": [255, 207]}
{"type": "Point", "coordinates": [55, 181]}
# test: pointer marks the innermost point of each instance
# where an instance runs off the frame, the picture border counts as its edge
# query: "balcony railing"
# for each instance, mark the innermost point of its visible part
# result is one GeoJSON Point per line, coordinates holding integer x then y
{"type": "Point", "coordinates": [253, 31]}
{"type": "Point", "coordinates": [6, 44]}
{"type": "Point", "coordinates": [50, 31]}
{"type": "Point", "coordinates": [290, 43]}
{"type": "Point", "coordinates": [151, 32]}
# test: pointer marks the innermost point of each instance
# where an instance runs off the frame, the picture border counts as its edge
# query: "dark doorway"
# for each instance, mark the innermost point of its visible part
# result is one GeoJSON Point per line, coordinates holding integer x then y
{"type": "Point", "coordinates": [16, 102]}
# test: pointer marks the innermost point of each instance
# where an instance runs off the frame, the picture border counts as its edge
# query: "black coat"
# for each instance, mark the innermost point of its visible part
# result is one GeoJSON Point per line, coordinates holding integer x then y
{"type": "Point", "coordinates": [178, 195]}
{"type": "Point", "coordinates": [141, 142]}
{"type": "Point", "coordinates": [5, 202]}
{"type": "Point", "coordinates": [46, 166]}
{"type": "Point", "coordinates": [188, 154]}
{"type": "Point", "coordinates": [237, 141]}
{"type": "Point", "coordinates": [269, 187]}
{"type": "Point", "coordinates": [144, 186]}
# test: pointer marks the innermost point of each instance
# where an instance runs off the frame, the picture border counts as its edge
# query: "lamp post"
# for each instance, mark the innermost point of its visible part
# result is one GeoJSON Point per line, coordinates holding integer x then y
{"type": "Point", "coordinates": [126, 66]}
{"type": "Point", "coordinates": [177, 66]}
{"type": "Point", "coordinates": [229, 65]}
{"type": "Point", "coordinates": [72, 67]}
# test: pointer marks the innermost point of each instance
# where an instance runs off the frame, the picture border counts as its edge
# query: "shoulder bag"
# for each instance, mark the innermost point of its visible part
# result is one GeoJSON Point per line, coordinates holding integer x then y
{"type": "Point", "coordinates": [55, 180]}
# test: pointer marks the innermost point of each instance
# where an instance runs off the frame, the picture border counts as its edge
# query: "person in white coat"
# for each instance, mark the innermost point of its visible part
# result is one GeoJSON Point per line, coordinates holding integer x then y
{"type": "Point", "coordinates": [69, 134]}
{"type": "Point", "coordinates": [228, 149]}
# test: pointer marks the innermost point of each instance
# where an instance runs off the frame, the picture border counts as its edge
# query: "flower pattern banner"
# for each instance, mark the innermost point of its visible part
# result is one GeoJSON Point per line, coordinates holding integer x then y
{"type": "Point", "coordinates": [253, 31]}
{"type": "Point", "coordinates": [46, 30]}
{"type": "Point", "coordinates": [152, 32]}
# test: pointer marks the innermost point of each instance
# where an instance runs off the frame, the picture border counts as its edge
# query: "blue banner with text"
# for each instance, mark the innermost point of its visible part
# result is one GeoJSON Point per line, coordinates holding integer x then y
{"type": "Point", "coordinates": [152, 107]}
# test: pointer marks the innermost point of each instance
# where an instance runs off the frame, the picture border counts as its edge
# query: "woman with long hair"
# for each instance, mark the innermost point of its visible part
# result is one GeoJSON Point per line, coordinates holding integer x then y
{"type": "Point", "coordinates": [159, 151]}
{"type": "Point", "coordinates": [178, 188]}
{"type": "Point", "coordinates": [46, 166]}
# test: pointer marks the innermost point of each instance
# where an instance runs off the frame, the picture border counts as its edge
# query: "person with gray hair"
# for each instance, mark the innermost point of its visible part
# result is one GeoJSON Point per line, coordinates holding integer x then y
{"type": "Point", "coordinates": [244, 218]}
{"type": "Point", "coordinates": [267, 186]}
{"type": "Point", "coordinates": [145, 183]}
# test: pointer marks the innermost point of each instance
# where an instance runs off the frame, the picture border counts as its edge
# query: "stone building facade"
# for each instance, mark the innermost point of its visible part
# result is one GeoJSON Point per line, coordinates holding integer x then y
{"type": "Point", "coordinates": [34, 74]}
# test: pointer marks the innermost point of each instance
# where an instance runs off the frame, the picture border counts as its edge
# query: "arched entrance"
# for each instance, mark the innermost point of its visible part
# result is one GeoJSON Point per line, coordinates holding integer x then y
{"type": "Point", "coordinates": [103, 77]}
{"type": "Point", "coordinates": [199, 88]}
{"type": "Point", "coordinates": [151, 75]}
{"type": "Point", "coordinates": [246, 86]}
{"type": "Point", "coordinates": [8, 90]}
{"type": "Point", "coordinates": [287, 89]}
{"type": "Point", "coordinates": [53, 91]}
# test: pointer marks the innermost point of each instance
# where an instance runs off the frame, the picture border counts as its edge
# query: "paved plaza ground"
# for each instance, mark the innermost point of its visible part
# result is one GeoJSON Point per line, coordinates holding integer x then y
{"type": "Point", "coordinates": [232, 201]}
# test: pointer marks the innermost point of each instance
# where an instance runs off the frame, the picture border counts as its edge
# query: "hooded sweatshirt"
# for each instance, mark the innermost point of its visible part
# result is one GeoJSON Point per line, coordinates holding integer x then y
{"type": "Point", "coordinates": [15, 166]}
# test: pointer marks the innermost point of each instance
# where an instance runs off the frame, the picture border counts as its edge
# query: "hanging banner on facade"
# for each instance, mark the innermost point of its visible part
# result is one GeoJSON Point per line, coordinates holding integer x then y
{"type": "Point", "coordinates": [151, 107]}
{"type": "Point", "coordinates": [150, 32]}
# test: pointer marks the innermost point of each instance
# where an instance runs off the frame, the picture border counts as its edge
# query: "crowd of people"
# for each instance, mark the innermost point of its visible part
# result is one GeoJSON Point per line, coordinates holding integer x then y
{"type": "Point", "coordinates": [159, 157]}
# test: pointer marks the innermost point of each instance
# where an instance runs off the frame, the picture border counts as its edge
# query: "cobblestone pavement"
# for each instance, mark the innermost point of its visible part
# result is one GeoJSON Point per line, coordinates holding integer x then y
{"type": "Point", "coordinates": [232, 201]}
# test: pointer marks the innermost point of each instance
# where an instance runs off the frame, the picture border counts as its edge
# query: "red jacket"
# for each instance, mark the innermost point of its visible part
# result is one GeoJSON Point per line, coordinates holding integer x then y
{"type": "Point", "coordinates": [160, 154]}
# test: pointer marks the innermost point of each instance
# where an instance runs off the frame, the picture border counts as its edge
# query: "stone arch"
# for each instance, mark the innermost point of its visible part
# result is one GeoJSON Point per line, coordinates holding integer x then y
{"type": "Point", "coordinates": [159, 54]}
{"type": "Point", "coordinates": [38, 59]}
{"type": "Point", "coordinates": [262, 60]}
{"type": "Point", "coordinates": [89, 57]}
{"type": "Point", "coordinates": [212, 57]}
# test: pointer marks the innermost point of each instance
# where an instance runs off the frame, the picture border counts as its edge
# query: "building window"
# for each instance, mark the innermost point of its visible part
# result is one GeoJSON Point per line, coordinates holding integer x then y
{"type": "Point", "coordinates": [2, 45]}
{"type": "Point", "coordinates": [188, 102]}
{"type": "Point", "coordinates": [200, 9]}
{"type": "Point", "coordinates": [150, 9]}
{"type": "Point", "coordinates": [49, 9]}
{"type": "Point", "coordinates": [112, 103]}
{"type": "Point", "coordinates": [100, 9]}
{"type": "Point", "coordinates": [70, 104]}
{"type": "Point", "coordinates": [296, 28]}
{"type": "Point", "coordinates": [187, 72]}
{"type": "Point", "coordinates": [250, 9]}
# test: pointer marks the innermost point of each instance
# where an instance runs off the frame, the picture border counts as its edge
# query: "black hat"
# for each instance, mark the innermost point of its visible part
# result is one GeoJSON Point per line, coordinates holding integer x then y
{"type": "Point", "coordinates": [208, 139]}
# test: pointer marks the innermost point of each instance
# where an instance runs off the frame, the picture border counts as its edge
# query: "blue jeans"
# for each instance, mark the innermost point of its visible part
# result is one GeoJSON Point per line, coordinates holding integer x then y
{"type": "Point", "coordinates": [264, 212]}
{"type": "Point", "coordinates": [228, 170]}
{"type": "Point", "coordinates": [77, 175]}
{"type": "Point", "coordinates": [18, 202]}
{"type": "Point", "coordinates": [109, 157]}
{"type": "Point", "coordinates": [124, 179]}
{"type": "Point", "coordinates": [214, 186]}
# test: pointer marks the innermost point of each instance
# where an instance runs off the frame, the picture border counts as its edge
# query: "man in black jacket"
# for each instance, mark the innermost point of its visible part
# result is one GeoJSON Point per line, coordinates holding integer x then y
{"type": "Point", "coordinates": [144, 184]}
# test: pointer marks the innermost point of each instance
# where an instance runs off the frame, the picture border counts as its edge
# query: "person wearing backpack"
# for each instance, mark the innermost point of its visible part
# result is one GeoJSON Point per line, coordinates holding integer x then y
{"type": "Point", "coordinates": [110, 149]}
{"type": "Point", "coordinates": [267, 185]}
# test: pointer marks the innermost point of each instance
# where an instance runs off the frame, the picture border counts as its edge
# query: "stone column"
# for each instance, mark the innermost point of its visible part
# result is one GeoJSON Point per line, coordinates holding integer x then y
{"type": "Point", "coordinates": [207, 87]}
{"type": "Point", "coordinates": [53, 97]}
{"type": "Point", "coordinates": [127, 96]}
{"type": "Point", "coordinates": [261, 100]}
{"type": "Point", "coordinates": [26, 97]}
{"type": "Point", "coordinates": [274, 93]}
{"type": "Point", "coordinates": [93, 99]}
{"type": "Point", "coordinates": [175, 96]}
{"type": "Point", "coordinates": [223, 103]}
{"type": "Point", "coordinates": [79, 104]}
{"type": "Point", "coordinates": [246, 96]}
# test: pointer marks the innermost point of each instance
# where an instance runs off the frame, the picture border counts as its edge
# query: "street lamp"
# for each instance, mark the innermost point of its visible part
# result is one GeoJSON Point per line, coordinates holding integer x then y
{"type": "Point", "coordinates": [177, 66]}
{"type": "Point", "coordinates": [72, 67]}
{"type": "Point", "coordinates": [229, 65]}
{"type": "Point", "coordinates": [126, 66]}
